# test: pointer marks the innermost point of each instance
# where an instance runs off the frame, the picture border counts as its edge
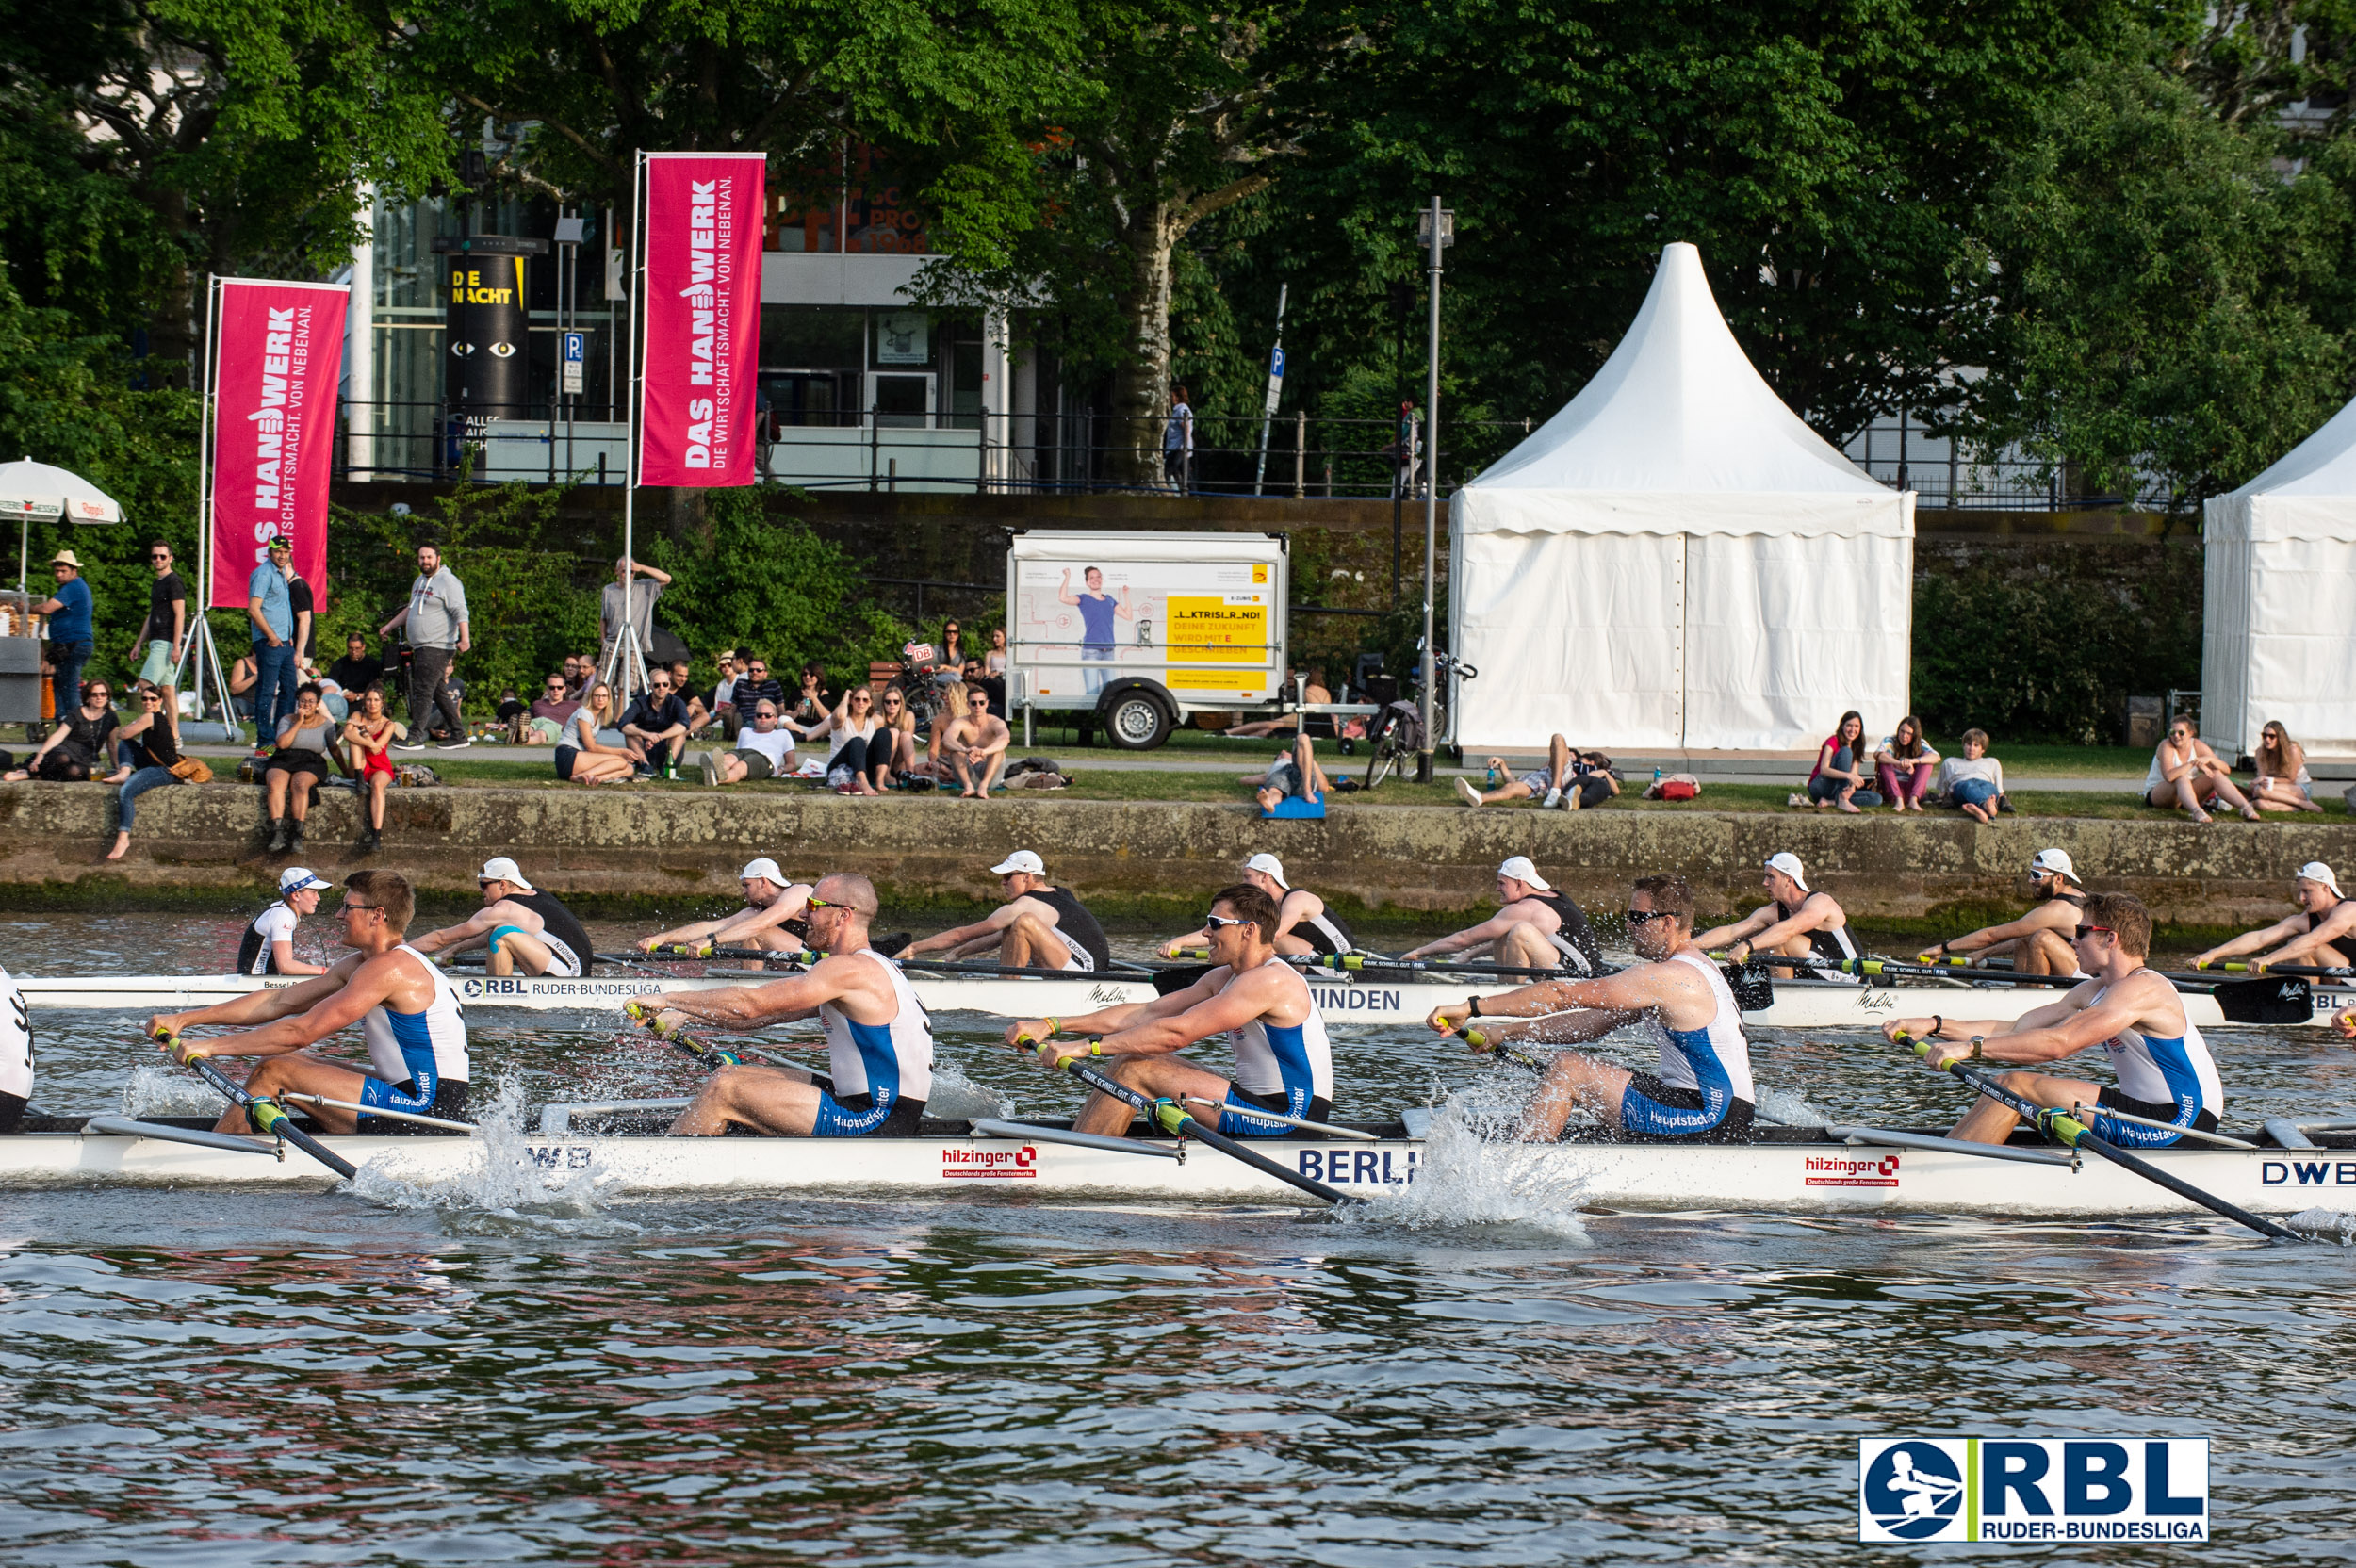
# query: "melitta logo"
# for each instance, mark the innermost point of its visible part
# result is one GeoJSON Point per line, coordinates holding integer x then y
{"type": "Point", "coordinates": [2033, 1489]}
{"type": "Point", "coordinates": [998, 1164]}
{"type": "Point", "coordinates": [1836, 1170]}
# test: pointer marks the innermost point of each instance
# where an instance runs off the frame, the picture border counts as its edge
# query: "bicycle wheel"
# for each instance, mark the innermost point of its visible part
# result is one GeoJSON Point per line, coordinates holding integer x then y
{"type": "Point", "coordinates": [1387, 756]}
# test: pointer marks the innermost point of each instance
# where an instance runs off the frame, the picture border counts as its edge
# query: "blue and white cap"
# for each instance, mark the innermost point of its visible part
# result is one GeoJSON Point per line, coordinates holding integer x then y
{"type": "Point", "coordinates": [295, 878]}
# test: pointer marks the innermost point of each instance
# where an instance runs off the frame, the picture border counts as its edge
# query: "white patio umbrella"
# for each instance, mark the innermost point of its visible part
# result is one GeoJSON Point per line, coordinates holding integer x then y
{"type": "Point", "coordinates": [30, 490]}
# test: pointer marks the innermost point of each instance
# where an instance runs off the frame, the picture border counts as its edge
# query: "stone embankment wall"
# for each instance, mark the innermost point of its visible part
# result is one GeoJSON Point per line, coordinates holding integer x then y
{"type": "Point", "coordinates": [649, 850]}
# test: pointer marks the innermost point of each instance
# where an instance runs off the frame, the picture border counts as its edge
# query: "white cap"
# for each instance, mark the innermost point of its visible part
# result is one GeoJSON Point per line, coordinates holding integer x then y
{"type": "Point", "coordinates": [1789, 863]}
{"type": "Point", "coordinates": [499, 868]}
{"type": "Point", "coordinates": [295, 878]}
{"type": "Point", "coordinates": [763, 869]}
{"type": "Point", "coordinates": [2315, 871]}
{"type": "Point", "coordinates": [2054, 861]}
{"type": "Point", "coordinates": [1520, 870]}
{"type": "Point", "coordinates": [1021, 859]}
{"type": "Point", "coordinates": [1264, 861]}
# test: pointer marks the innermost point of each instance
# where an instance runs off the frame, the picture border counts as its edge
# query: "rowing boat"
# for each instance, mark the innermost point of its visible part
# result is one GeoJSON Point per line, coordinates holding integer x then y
{"type": "Point", "coordinates": [1784, 1168]}
{"type": "Point", "coordinates": [1341, 997]}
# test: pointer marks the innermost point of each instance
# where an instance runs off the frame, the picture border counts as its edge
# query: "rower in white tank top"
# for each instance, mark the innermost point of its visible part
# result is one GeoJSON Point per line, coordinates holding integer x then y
{"type": "Point", "coordinates": [1285, 1060]}
{"type": "Point", "coordinates": [886, 1062]}
{"type": "Point", "coordinates": [424, 1047]}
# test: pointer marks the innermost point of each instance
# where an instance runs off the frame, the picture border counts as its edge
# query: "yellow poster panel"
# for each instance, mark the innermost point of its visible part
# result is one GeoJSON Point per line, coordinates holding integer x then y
{"type": "Point", "coordinates": [1241, 683]}
{"type": "Point", "coordinates": [1206, 629]}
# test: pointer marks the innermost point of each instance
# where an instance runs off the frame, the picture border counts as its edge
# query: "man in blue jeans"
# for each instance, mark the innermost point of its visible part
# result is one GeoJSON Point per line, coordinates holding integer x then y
{"type": "Point", "coordinates": [269, 606]}
{"type": "Point", "coordinates": [70, 636]}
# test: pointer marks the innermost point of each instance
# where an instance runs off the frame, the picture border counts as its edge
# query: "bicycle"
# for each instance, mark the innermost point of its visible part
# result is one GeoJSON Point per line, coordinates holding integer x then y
{"type": "Point", "coordinates": [1395, 736]}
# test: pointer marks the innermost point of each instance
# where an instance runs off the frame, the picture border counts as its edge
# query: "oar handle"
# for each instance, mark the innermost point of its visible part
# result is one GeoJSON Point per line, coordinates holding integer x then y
{"type": "Point", "coordinates": [673, 1034]}
{"type": "Point", "coordinates": [263, 1113]}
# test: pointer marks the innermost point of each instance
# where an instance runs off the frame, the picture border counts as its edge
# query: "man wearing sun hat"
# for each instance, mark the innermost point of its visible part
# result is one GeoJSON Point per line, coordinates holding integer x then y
{"type": "Point", "coordinates": [1039, 926]}
{"type": "Point", "coordinates": [1796, 922]}
{"type": "Point", "coordinates": [71, 637]}
{"type": "Point", "coordinates": [2039, 941]}
{"type": "Point", "coordinates": [518, 927]}
{"type": "Point", "coordinates": [771, 919]}
{"type": "Point", "coordinates": [2322, 933]}
{"type": "Point", "coordinates": [268, 946]}
{"type": "Point", "coordinates": [1304, 926]}
{"type": "Point", "coordinates": [1535, 927]}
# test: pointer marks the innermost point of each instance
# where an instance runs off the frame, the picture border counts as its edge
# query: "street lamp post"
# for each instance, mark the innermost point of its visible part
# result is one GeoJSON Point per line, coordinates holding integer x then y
{"type": "Point", "coordinates": [1436, 231]}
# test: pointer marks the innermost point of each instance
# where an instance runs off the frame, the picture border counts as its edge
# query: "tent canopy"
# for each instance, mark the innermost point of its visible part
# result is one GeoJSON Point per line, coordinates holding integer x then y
{"type": "Point", "coordinates": [1676, 560]}
{"type": "Point", "coordinates": [2279, 598]}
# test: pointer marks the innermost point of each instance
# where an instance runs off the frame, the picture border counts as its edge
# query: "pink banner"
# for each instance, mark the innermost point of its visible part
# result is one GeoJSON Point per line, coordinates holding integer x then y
{"type": "Point", "coordinates": [279, 354]}
{"type": "Point", "coordinates": [703, 318]}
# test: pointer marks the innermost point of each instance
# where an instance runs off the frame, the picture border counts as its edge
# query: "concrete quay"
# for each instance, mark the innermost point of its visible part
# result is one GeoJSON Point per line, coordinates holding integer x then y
{"type": "Point", "coordinates": [620, 850]}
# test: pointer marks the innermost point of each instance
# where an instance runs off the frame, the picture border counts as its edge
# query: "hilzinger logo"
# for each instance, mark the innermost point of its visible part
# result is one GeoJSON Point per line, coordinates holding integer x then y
{"type": "Point", "coordinates": [1829, 1170]}
{"type": "Point", "coordinates": [2033, 1489]}
{"type": "Point", "coordinates": [998, 1164]}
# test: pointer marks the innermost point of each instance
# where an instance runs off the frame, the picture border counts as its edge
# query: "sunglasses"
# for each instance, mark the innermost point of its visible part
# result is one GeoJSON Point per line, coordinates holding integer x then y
{"type": "Point", "coordinates": [556, 685]}
{"type": "Point", "coordinates": [1215, 922]}
{"type": "Point", "coordinates": [1646, 917]}
{"type": "Point", "coordinates": [814, 902]}
{"type": "Point", "coordinates": [150, 696]}
{"type": "Point", "coordinates": [160, 557]}
{"type": "Point", "coordinates": [351, 908]}
{"type": "Point", "coordinates": [2085, 931]}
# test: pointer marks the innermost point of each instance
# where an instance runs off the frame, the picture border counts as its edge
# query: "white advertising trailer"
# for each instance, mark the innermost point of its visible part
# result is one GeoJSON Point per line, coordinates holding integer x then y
{"type": "Point", "coordinates": [1144, 628]}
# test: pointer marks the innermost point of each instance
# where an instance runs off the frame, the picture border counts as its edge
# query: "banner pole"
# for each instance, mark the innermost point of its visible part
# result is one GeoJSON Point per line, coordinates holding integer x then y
{"type": "Point", "coordinates": [626, 652]}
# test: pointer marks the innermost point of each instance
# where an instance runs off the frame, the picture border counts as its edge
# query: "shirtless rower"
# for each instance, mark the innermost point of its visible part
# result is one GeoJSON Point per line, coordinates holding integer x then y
{"type": "Point", "coordinates": [2322, 933]}
{"type": "Point", "coordinates": [1304, 926]}
{"type": "Point", "coordinates": [879, 1042]}
{"type": "Point", "coordinates": [2134, 1014]}
{"type": "Point", "coordinates": [1701, 1091]}
{"type": "Point", "coordinates": [1283, 1061]}
{"type": "Point", "coordinates": [1795, 923]}
{"type": "Point", "coordinates": [1536, 927]}
{"type": "Point", "coordinates": [2039, 941]}
{"type": "Point", "coordinates": [771, 919]}
{"type": "Point", "coordinates": [1039, 926]}
{"type": "Point", "coordinates": [408, 1011]}
{"type": "Point", "coordinates": [518, 927]}
{"type": "Point", "coordinates": [268, 946]}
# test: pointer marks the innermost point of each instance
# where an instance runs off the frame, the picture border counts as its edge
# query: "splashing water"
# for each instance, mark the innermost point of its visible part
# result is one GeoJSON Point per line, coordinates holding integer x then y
{"type": "Point", "coordinates": [2325, 1225]}
{"type": "Point", "coordinates": [502, 1191]}
{"type": "Point", "coordinates": [1790, 1108]}
{"type": "Point", "coordinates": [957, 1098]}
{"type": "Point", "coordinates": [1476, 1171]}
{"type": "Point", "coordinates": [158, 1090]}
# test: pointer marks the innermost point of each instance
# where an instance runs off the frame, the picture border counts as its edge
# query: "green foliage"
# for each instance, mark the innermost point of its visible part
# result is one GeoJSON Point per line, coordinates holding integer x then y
{"type": "Point", "coordinates": [2046, 643]}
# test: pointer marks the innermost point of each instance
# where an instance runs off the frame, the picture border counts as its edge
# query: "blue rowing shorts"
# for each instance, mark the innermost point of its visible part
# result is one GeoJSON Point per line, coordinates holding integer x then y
{"type": "Point", "coordinates": [1236, 1119]}
{"type": "Point", "coordinates": [424, 1092]}
{"type": "Point", "coordinates": [2129, 1135]}
{"type": "Point", "coordinates": [1653, 1112]}
{"type": "Point", "coordinates": [863, 1116]}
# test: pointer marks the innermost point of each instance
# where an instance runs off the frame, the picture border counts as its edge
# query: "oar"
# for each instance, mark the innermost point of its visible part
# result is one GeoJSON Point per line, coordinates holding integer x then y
{"type": "Point", "coordinates": [1325, 1127]}
{"type": "Point", "coordinates": [2246, 1001]}
{"type": "Point", "coordinates": [2237, 967]}
{"type": "Point", "coordinates": [264, 1114]}
{"type": "Point", "coordinates": [2071, 1133]}
{"type": "Point", "coordinates": [713, 1057]}
{"type": "Point", "coordinates": [950, 965]}
{"type": "Point", "coordinates": [1178, 1121]}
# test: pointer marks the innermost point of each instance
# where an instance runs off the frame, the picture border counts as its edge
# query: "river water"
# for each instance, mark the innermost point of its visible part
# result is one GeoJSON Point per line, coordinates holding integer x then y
{"type": "Point", "coordinates": [190, 1378]}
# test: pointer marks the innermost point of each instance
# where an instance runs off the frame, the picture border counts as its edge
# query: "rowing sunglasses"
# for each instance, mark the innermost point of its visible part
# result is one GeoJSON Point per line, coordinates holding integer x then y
{"type": "Point", "coordinates": [1646, 917]}
{"type": "Point", "coordinates": [1214, 923]}
{"type": "Point", "coordinates": [2085, 931]}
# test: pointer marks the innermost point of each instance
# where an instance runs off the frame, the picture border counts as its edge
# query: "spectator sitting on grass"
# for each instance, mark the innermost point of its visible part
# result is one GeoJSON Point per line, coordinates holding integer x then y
{"type": "Point", "coordinates": [951, 710]}
{"type": "Point", "coordinates": [78, 748]}
{"type": "Point", "coordinates": [2282, 780]}
{"type": "Point", "coordinates": [976, 747]}
{"type": "Point", "coordinates": [857, 762]}
{"type": "Point", "coordinates": [243, 677]}
{"type": "Point", "coordinates": [580, 670]}
{"type": "Point", "coordinates": [655, 725]}
{"type": "Point", "coordinates": [898, 736]}
{"type": "Point", "coordinates": [2185, 772]}
{"type": "Point", "coordinates": [1905, 754]}
{"type": "Point", "coordinates": [765, 749]}
{"type": "Point", "coordinates": [809, 708]}
{"type": "Point", "coordinates": [582, 758]}
{"type": "Point", "coordinates": [545, 724]}
{"type": "Point", "coordinates": [1293, 772]}
{"type": "Point", "coordinates": [724, 693]}
{"type": "Point", "coordinates": [1974, 782]}
{"type": "Point", "coordinates": [357, 670]}
{"type": "Point", "coordinates": [512, 715]}
{"type": "Point", "coordinates": [1571, 779]}
{"type": "Point", "coordinates": [1839, 775]}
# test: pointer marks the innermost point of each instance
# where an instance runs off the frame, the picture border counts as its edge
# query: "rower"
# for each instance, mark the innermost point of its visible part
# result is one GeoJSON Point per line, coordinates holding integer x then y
{"type": "Point", "coordinates": [1795, 923]}
{"type": "Point", "coordinates": [2322, 933]}
{"type": "Point", "coordinates": [770, 921]}
{"type": "Point", "coordinates": [1701, 1091]}
{"type": "Point", "coordinates": [1039, 926]}
{"type": "Point", "coordinates": [2040, 941]}
{"type": "Point", "coordinates": [408, 1011]}
{"type": "Point", "coordinates": [518, 927]}
{"type": "Point", "coordinates": [267, 947]}
{"type": "Point", "coordinates": [1283, 1061]}
{"type": "Point", "coordinates": [1535, 927]}
{"type": "Point", "coordinates": [16, 1056]}
{"type": "Point", "coordinates": [1305, 925]}
{"type": "Point", "coordinates": [879, 1042]}
{"type": "Point", "coordinates": [2134, 1014]}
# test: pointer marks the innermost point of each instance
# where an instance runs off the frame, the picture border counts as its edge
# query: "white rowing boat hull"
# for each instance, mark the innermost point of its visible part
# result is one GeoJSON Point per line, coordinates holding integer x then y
{"type": "Point", "coordinates": [1798, 1004]}
{"type": "Point", "coordinates": [1801, 1177]}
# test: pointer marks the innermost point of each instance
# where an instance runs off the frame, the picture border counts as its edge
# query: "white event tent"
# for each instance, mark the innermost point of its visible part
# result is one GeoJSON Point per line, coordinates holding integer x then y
{"type": "Point", "coordinates": [2278, 633]}
{"type": "Point", "coordinates": [1675, 559]}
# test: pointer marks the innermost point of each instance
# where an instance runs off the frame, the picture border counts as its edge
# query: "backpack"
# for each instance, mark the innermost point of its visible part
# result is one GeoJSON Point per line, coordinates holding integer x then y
{"type": "Point", "coordinates": [1403, 723]}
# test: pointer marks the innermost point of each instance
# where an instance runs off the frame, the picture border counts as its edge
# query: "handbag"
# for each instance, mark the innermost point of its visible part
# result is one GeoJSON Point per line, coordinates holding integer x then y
{"type": "Point", "coordinates": [191, 770]}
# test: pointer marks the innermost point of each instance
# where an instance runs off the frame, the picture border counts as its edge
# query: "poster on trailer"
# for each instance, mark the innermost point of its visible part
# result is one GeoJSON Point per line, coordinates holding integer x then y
{"type": "Point", "coordinates": [1204, 630]}
{"type": "Point", "coordinates": [700, 371]}
{"type": "Point", "coordinates": [277, 354]}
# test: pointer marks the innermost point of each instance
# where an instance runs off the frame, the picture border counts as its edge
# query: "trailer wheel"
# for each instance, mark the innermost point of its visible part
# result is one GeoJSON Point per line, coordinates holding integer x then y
{"type": "Point", "coordinates": [1135, 720]}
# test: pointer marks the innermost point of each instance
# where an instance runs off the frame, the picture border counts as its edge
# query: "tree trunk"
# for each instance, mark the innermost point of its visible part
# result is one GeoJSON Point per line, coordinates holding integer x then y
{"type": "Point", "coordinates": [1140, 392]}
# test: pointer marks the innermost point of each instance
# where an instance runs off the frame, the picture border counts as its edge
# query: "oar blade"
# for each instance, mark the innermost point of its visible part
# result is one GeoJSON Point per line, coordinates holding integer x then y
{"type": "Point", "coordinates": [1752, 987]}
{"type": "Point", "coordinates": [2268, 1002]}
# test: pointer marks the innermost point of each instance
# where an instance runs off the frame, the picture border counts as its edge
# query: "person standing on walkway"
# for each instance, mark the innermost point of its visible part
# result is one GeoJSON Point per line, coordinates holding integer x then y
{"type": "Point", "coordinates": [269, 606]}
{"type": "Point", "coordinates": [70, 612]}
{"type": "Point", "coordinates": [167, 624]}
{"type": "Point", "coordinates": [436, 618]}
{"type": "Point", "coordinates": [622, 603]}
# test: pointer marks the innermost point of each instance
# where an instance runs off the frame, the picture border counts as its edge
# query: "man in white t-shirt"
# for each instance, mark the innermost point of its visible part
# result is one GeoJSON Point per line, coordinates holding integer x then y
{"type": "Point", "coordinates": [763, 750]}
